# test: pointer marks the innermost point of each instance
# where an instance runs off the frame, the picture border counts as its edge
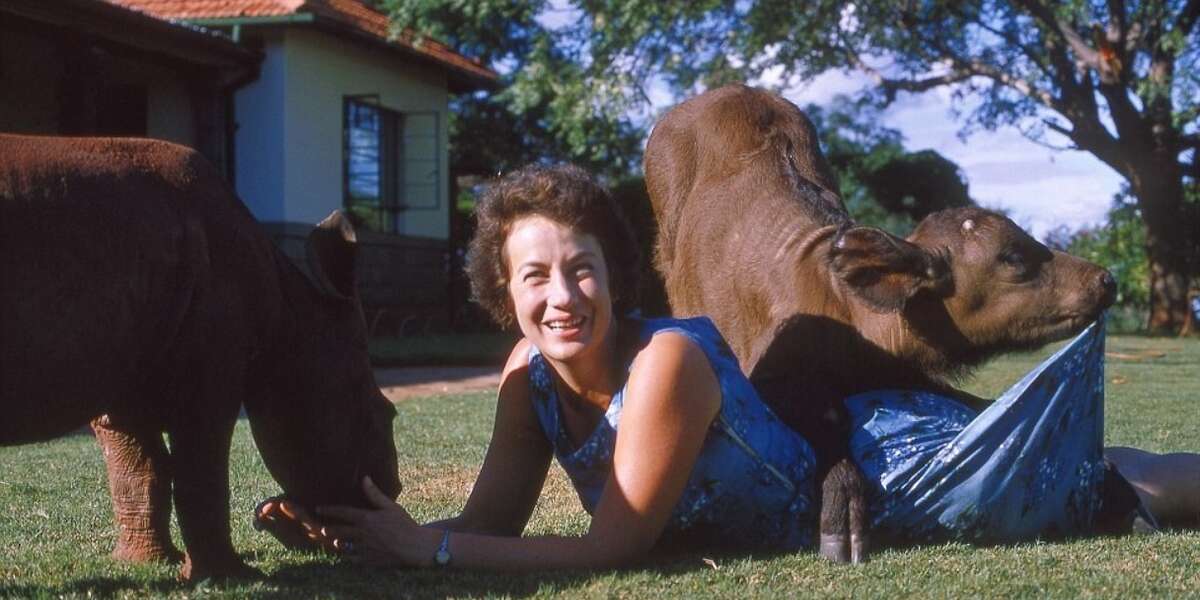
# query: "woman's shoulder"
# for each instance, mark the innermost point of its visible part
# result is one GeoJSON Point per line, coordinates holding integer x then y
{"type": "Point", "coordinates": [519, 357]}
{"type": "Point", "coordinates": [699, 330]}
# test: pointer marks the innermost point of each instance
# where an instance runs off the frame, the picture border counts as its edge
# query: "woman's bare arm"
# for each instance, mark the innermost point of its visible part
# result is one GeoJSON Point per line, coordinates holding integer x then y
{"type": "Point", "coordinates": [671, 399]}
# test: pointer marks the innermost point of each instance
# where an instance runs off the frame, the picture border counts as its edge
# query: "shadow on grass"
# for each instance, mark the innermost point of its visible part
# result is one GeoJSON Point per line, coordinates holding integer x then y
{"type": "Point", "coordinates": [347, 580]}
{"type": "Point", "coordinates": [103, 587]}
{"type": "Point", "coordinates": [357, 581]}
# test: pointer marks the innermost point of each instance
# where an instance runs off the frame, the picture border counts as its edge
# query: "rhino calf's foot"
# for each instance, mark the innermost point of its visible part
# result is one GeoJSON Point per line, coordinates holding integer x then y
{"type": "Point", "coordinates": [139, 482]}
{"type": "Point", "coordinates": [139, 548]}
{"type": "Point", "coordinates": [228, 568]}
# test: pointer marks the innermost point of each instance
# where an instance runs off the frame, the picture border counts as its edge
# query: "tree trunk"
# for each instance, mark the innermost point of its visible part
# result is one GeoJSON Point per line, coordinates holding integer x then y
{"type": "Point", "coordinates": [1160, 196]}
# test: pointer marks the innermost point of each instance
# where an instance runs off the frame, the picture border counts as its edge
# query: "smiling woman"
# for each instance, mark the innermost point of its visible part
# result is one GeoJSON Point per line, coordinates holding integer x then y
{"type": "Point", "coordinates": [666, 442]}
{"type": "Point", "coordinates": [663, 437]}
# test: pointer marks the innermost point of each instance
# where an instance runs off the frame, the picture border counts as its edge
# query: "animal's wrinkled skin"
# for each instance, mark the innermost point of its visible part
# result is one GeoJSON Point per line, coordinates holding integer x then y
{"type": "Point", "coordinates": [130, 266]}
{"type": "Point", "coordinates": [817, 308]}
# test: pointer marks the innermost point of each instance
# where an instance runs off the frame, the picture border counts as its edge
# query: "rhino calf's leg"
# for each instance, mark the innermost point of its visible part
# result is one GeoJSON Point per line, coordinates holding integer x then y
{"type": "Point", "coordinates": [139, 482]}
{"type": "Point", "coordinates": [200, 461]}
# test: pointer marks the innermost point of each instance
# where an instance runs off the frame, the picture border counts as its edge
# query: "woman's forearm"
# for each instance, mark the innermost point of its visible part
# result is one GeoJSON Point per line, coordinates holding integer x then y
{"type": "Point", "coordinates": [490, 552]}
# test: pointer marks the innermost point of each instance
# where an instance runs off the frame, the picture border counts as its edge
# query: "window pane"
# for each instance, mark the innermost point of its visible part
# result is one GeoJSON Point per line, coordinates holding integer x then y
{"type": "Point", "coordinates": [421, 168]}
{"type": "Point", "coordinates": [364, 126]}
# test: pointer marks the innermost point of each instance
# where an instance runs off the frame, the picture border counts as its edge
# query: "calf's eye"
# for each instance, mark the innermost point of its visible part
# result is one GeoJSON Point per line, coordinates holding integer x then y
{"type": "Point", "coordinates": [1012, 258]}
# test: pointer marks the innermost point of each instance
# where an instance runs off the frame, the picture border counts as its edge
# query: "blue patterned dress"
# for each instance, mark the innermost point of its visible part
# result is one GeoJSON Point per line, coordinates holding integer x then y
{"type": "Point", "coordinates": [752, 484]}
{"type": "Point", "coordinates": [1030, 465]}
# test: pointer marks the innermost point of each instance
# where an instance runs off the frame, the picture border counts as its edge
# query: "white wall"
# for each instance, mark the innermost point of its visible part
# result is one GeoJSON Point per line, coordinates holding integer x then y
{"type": "Point", "coordinates": [320, 70]}
{"type": "Point", "coordinates": [261, 136]}
{"type": "Point", "coordinates": [169, 111]}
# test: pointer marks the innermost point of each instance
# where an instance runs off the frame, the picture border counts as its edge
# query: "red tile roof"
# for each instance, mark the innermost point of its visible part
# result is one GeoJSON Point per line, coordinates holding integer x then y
{"type": "Point", "coordinates": [352, 13]}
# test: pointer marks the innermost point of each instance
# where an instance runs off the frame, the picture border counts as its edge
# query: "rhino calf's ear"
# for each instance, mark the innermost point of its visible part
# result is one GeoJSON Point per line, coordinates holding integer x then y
{"type": "Point", "coordinates": [885, 271]}
{"type": "Point", "coordinates": [332, 249]}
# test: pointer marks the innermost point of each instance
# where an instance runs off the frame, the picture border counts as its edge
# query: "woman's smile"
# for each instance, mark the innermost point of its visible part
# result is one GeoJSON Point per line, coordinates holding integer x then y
{"type": "Point", "coordinates": [558, 282]}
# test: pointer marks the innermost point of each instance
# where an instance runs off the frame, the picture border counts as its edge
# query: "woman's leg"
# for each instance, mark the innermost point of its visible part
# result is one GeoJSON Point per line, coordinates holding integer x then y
{"type": "Point", "coordinates": [1168, 484]}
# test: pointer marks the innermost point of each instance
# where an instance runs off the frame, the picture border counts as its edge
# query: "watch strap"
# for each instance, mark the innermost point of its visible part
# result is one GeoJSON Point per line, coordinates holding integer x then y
{"type": "Point", "coordinates": [441, 558]}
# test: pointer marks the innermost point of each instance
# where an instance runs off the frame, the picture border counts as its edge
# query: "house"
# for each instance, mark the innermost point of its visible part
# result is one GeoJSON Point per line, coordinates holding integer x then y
{"type": "Point", "coordinates": [323, 108]}
{"type": "Point", "coordinates": [85, 67]}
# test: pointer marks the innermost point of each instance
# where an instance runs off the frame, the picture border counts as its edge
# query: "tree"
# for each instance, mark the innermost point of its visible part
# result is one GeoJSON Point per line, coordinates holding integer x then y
{"type": "Point", "coordinates": [548, 105]}
{"type": "Point", "coordinates": [1116, 78]}
{"type": "Point", "coordinates": [881, 183]}
{"type": "Point", "coordinates": [1120, 247]}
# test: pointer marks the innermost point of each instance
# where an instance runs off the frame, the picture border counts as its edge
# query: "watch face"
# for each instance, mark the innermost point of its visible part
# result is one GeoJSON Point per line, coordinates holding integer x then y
{"type": "Point", "coordinates": [442, 557]}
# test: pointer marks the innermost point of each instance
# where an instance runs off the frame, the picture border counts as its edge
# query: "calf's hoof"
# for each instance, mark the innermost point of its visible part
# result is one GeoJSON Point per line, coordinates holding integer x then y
{"type": "Point", "coordinates": [844, 549]}
{"type": "Point", "coordinates": [835, 547]}
{"type": "Point", "coordinates": [859, 549]}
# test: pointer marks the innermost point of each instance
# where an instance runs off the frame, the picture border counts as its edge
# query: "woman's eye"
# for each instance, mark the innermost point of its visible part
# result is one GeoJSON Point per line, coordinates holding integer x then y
{"type": "Point", "coordinates": [533, 276]}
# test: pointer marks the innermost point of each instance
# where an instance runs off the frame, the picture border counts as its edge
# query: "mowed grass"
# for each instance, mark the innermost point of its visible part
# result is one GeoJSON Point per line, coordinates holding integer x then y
{"type": "Point", "coordinates": [56, 526]}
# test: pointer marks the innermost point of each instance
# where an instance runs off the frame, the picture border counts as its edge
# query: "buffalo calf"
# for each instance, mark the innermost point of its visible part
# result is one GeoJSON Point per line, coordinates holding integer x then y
{"type": "Point", "coordinates": [818, 308]}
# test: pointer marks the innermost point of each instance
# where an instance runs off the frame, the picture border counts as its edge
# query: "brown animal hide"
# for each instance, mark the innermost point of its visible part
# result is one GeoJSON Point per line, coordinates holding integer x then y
{"type": "Point", "coordinates": [138, 287]}
{"type": "Point", "coordinates": [817, 308]}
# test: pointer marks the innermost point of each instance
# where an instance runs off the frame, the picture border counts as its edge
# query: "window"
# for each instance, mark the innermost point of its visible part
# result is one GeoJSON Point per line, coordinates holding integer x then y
{"type": "Point", "coordinates": [391, 163]}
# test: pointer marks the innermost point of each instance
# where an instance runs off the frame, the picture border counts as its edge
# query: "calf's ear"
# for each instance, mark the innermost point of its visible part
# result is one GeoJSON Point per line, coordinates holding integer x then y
{"type": "Point", "coordinates": [885, 271]}
{"type": "Point", "coordinates": [332, 248]}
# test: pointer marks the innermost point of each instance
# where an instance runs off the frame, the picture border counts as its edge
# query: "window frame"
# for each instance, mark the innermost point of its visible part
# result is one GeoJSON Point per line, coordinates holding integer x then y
{"type": "Point", "coordinates": [392, 143]}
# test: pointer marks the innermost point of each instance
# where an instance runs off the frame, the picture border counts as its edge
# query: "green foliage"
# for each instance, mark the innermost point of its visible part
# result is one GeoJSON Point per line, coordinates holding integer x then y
{"type": "Point", "coordinates": [882, 184]}
{"type": "Point", "coordinates": [550, 105]}
{"type": "Point", "coordinates": [1116, 79]}
{"type": "Point", "coordinates": [1119, 246]}
{"type": "Point", "coordinates": [57, 523]}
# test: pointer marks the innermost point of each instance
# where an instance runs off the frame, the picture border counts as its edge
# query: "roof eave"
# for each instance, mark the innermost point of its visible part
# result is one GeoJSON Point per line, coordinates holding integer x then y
{"type": "Point", "coordinates": [208, 48]}
{"type": "Point", "coordinates": [460, 80]}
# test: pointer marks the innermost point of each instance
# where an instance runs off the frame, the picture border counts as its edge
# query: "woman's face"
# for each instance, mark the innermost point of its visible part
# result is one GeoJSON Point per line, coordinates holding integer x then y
{"type": "Point", "coordinates": [558, 282]}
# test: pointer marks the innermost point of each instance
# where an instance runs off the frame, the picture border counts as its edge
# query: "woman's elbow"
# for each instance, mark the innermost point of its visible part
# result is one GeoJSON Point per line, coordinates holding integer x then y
{"type": "Point", "coordinates": [618, 549]}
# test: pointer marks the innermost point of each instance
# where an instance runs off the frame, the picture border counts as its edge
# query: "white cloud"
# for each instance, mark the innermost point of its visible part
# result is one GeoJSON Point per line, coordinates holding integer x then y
{"type": "Point", "coordinates": [1040, 188]}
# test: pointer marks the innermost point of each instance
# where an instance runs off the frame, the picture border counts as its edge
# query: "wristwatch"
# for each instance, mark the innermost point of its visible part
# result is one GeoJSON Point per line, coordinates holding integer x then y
{"type": "Point", "coordinates": [441, 558]}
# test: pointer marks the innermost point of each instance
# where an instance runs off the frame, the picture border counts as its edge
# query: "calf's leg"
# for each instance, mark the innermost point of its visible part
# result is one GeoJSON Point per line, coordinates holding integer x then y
{"type": "Point", "coordinates": [844, 522]}
{"type": "Point", "coordinates": [139, 481]}
{"type": "Point", "coordinates": [200, 457]}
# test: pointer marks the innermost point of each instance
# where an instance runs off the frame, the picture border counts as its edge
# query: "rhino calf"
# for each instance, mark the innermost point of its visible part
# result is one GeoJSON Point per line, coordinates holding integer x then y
{"type": "Point", "coordinates": [817, 308]}
{"type": "Point", "coordinates": [140, 294]}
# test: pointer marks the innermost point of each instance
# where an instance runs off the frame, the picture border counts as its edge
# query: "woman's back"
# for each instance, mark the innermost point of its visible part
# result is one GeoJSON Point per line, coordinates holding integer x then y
{"type": "Point", "coordinates": [752, 484]}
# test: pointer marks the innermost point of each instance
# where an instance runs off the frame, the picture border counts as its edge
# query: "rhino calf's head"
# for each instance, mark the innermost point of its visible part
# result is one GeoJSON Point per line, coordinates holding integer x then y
{"type": "Point", "coordinates": [318, 417]}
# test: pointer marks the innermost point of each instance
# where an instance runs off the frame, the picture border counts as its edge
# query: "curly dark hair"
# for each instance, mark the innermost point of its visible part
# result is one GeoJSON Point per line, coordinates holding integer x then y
{"type": "Point", "coordinates": [565, 194]}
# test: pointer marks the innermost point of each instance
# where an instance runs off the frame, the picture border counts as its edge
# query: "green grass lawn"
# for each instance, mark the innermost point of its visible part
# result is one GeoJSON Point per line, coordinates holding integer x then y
{"type": "Point", "coordinates": [56, 527]}
{"type": "Point", "coordinates": [474, 349]}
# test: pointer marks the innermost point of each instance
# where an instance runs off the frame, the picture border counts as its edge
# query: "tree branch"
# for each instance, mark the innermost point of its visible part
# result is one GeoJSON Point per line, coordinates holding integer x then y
{"type": "Point", "coordinates": [968, 67]}
{"type": "Point", "coordinates": [1032, 54]}
{"type": "Point", "coordinates": [1030, 135]}
{"type": "Point", "coordinates": [892, 85]}
{"type": "Point", "coordinates": [1085, 55]}
{"type": "Point", "coordinates": [1187, 18]}
{"type": "Point", "coordinates": [1097, 141]}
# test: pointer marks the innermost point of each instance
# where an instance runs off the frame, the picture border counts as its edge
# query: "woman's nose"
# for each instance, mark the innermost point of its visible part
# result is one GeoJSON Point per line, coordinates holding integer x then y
{"type": "Point", "coordinates": [562, 291]}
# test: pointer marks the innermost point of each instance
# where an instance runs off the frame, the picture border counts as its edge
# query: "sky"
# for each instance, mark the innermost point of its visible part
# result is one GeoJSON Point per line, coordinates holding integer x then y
{"type": "Point", "coordinates": [1040, 188]}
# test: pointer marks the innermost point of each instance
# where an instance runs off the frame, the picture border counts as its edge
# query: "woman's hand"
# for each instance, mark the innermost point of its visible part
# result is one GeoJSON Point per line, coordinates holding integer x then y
{"type": "Point", "coordinates": [291, 525]}
{"type": "Point", "coordinates": [384, 535]}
